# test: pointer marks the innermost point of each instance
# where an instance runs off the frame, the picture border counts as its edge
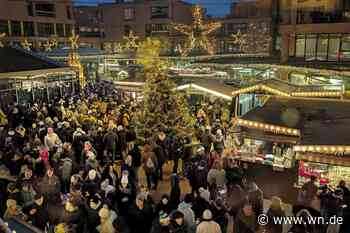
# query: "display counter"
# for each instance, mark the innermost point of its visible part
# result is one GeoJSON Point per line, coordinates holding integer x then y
{"type": "Point", "coordinates": [326, 174]}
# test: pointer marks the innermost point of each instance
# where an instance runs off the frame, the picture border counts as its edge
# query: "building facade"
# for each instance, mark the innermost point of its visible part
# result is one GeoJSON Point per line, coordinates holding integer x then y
{"type": "Point", "coordinates": [144, 17]}
{"type": "Point", "coordinates": [314, 30]}
{"type": "Point", "coordinates": [89, 25]}
{"type": "Point", "coordinates": [36, 21]}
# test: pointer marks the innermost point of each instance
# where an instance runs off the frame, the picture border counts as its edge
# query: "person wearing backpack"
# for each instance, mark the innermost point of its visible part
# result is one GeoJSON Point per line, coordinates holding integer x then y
{"type": "Point", "coordinates": [150, 165]}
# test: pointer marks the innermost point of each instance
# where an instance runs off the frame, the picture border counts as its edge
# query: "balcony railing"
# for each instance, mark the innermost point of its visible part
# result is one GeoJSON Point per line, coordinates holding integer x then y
{"type": "Point", "coordinates": [313, 17]}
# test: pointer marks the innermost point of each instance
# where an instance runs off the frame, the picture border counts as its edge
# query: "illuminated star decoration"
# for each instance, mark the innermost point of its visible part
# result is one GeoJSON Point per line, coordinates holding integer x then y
{"type": "Point", "coordinates": [131, 41]}
{"type": "Point", "coordinates": [240, 39]}
{"type": "Point", "coordinates": [2, 36]}
{"type": "Point", "coordinates": [118, 47]}
{"type": "Point", "coordinates": [197, 33]}
{"type": "Point", "coordinates": [26, 45]}
{"type": "Point", "coordinates": [74, 40]}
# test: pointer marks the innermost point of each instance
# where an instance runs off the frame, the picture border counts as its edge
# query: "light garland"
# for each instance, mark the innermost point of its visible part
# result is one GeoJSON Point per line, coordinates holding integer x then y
{"type": "Point", "coordinates": [240, 39]}
{"type": "Point", "coordinates": [267, 127]}
{"type": "Point", "coordinates": [195, 86]}
{"type": "Point", "coordinates": [26, 45]}
{"type": "Point", "coordinates": [260, 87]}
{"type": "Point", "coordinates": [74, 59]}
{"type": "Point", "coordinates": [318, 94]}
{"type": "Point", "coordinates": [326, 149]}
{"type": "Point", "coordinates": [2, 36]}
{"type": "Point", "coordinates": [197, 33]}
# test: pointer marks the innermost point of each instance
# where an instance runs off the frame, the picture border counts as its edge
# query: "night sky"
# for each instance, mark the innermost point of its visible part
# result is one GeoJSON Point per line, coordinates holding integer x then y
{"type": "Point", "coordinates": [214, 7]}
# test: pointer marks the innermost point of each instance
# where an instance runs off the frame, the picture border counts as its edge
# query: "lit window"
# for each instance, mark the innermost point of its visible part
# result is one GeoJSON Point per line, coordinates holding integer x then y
{"type": "Point", "coordinates": [129, 13]}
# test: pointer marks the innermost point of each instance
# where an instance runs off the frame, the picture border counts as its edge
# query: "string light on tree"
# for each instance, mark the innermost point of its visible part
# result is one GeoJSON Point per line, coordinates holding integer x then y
{"type": "Point", "coordinates": [26, 45]}
{"type": "Point", "coordinates": [74, 59]}
{"type": "Point", "coordinates": [2, 36]}
{"type": "Point", "coordinates": [197, 33]}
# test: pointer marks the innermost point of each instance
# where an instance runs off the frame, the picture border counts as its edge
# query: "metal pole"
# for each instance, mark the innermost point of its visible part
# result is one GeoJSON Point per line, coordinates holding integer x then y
{"type": "Point", "coordinates": [47, 89]}
{"type": "Point", "coordinates": [16, 90]}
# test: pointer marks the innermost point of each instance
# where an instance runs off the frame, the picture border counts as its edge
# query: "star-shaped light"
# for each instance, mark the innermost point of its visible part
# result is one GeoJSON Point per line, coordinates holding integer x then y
{"type": "Point", "coordinates": [48, 46]}
{"type": "Point", "coordinates": [118, 47]}
{"type": "Point", "coordinates": [2, 36]}
{"type": "Point", "coordinates": [240, 39]}
{"type": "Point", "coordinates": [26, 45]}
{"type": "Point", "coordinates": [131, 41]}
{"type": "Point", "coordinates": [197, 33]}
{"type": "Point", "coordinates": [74, 40]}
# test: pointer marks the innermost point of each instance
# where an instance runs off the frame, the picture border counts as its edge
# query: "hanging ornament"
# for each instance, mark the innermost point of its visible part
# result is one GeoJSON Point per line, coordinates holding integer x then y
{"type": "Point", "coordinates": [2, 36]}
{"type": "Point", "coordinates": [197, 33]}
{"type": "Point", "coordinates": [26, 45]}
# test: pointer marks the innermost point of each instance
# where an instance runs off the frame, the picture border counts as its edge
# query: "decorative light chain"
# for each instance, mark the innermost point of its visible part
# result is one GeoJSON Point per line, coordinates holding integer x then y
{"type": "Point", "coordinates": [267, 127]}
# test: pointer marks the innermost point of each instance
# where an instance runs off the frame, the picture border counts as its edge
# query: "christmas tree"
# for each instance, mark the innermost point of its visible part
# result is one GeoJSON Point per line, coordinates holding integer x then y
{"type": "Point", "coordinates": [163, 108]}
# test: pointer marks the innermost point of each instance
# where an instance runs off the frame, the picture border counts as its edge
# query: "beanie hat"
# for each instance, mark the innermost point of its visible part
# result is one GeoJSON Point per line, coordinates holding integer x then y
{"type": "Point", "coordinates": [204, 193]}
{"type": "Point", "coordinates": [207, 215]}
{"type": "Point", "coordinates": [92, 174]}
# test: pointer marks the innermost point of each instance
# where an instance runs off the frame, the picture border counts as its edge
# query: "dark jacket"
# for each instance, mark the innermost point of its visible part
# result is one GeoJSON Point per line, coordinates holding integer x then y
{"type": "Point", "coordinates": [271, 227]}
{"type": "Point", "coordinates": [244, 224]}
{"type": "Point", "coordinates": [140, 220]}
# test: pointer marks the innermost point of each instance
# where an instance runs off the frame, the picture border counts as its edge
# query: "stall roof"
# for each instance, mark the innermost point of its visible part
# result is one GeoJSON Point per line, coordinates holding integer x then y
{"type": "Point", "coordinates": [214, 87]}
{"type": "Point", "coordinates": [283, 88]}
{"type": "Point", "coordinates": [320, 121]}
{"type": "Point", "coordinates": [17, 60]}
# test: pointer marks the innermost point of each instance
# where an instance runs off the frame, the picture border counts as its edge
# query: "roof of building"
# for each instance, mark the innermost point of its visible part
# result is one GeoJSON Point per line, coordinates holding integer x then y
{"type": "Point", "coordinates": [321, 122]}
{"type": "Point", "coordinates": [64, 52]}
{"type": "Point", "coordinates": [16, 60]}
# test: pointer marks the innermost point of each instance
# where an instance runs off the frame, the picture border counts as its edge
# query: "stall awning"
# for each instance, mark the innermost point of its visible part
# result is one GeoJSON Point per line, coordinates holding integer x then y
{"type": "Point", "coordinates": [263, 136]}
{"type": "Point", "coordinates": [322, 158]}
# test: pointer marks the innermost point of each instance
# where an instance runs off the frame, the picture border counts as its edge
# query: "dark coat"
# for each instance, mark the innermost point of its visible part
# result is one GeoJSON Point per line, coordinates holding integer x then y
{"type": "Point", "coordinates": [271, 227]}
{"type": "Point", "coordinates": [245, 224]}
{"type": "Point", "coordinates": [140, 220]}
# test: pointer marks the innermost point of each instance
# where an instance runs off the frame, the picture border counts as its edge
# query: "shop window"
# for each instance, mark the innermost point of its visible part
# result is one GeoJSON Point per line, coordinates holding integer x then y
{"type": "Point", "coordinates": [69, 29]}
{"type": "Point", "coordinates": [4, 26]}
{"type": "Point", "coordinates": [310, 47]}
{"type": "Point", "coordinates": [159, 12]}
{"type": "Point", "coordinates": [129, 13]}
{"type": "Point", "coordinates": [45, 29]}
{"type": "Point", "coordinates": [345, 48]}
{"type": "Point", "coordinates": [159, 28]}
{"type": "Point", "coordinates": [322, 47]}
{"type": "Point", "coordinates": [45, 9]}
{"type": "Point", "coordinates": [300, 46]}
{"type": "Point", "coordinates": [60, 30]}
{"type": "Point", "coordinates": [16, 28]}
{"type": "Point", "coordinates": [28, 28]}
{"type": "Point", "coordinates": [333, 48]}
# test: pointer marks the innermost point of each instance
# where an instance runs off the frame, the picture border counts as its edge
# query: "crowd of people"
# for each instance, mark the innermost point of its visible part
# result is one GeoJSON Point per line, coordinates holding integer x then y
{"type": "Point", "coordinates": [73, 165]}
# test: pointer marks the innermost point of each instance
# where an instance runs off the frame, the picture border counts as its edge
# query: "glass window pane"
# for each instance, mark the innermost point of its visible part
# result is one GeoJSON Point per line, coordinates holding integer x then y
{"type": "Point", "coordinates": [333, 50]}
{"type": "Point", "coordinates": [16, 28]}
{"type": "Point", "coordinates": [310, 49]}
{"type": "Point", "coordinates": [300, 46]}
{"type": "Point", "coordinates": [322, 47]}
{"type": "Point", "coordinates": [28, 28]}
{"type": "Point", "coordinates": [345, 48]}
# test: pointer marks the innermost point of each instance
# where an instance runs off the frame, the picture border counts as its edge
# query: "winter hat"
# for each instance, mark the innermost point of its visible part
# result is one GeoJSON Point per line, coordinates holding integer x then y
{"type": "Point", "coordinates": [177, 214]}
{"type": "Point", "coordinates": [207, 215]}
{"type": "Point", "coordinates": [163, 218]}
{"type": "Point", "coordinates": [204, 193]}
{"type": "Point", "coordinates": [200, 149]}
{"type": "Point", "coordinates": [141, 197]}
{"type": "Point", "coordinates": [59, 125]}
{"type": "Point", "coordinates": [92, 174]}
{"type": "Point", "coordinates": [120, 128]}
{"type": "Point", "coordinates": [11, 133]}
